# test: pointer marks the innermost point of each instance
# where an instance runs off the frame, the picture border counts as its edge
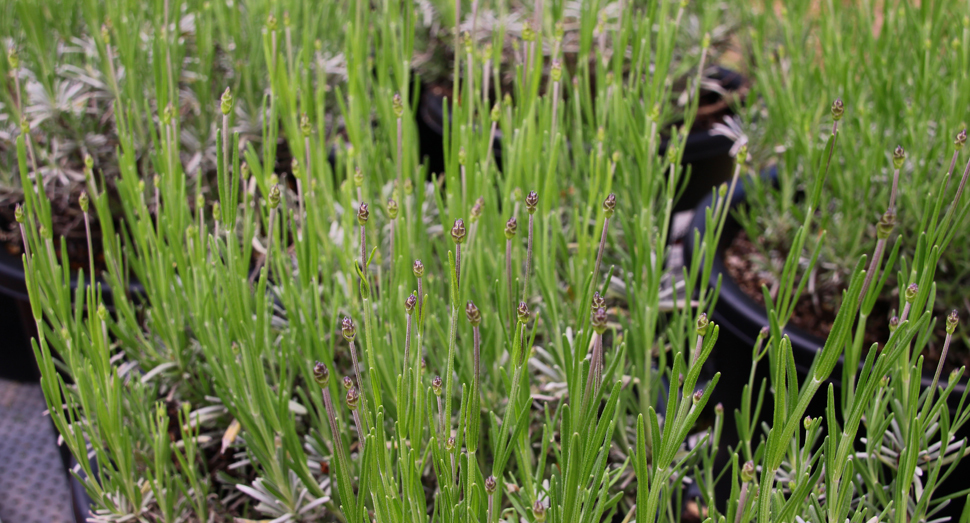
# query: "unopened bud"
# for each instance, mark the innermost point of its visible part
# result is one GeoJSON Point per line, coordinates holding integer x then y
{"type": "Point", "coordinates": [216, 211]}
{"type": "Point", "coordinates": [539, 511]}
{"type": "Point", "coordinates": [82, 200]}
{"type": "Point", "coordinates": [353, 399]}
{"type": "Point", "coordinates": [556, 71]}
{"type": "Point", "coordinates": [899, 155]}
{"type": "Point", "coordinates": [531, 202]}
{"type": "Point", "coordinates": [510, 227]}
{"type": "Point", "coordinates": [886, 224]}
{"type": "Point", "coordinates": [274, 196]}
{"type": "Point", "coordinates": [305, 127]}
{"type": "Point", "coordinates": [765, 332]}
{"type": "Point", "coordinates": [911, 292]}
{"type": "Point", "coordinates": [225, 104]}
{"type": "Point", "coordinates": [703, 324]}
{"type": "Point", "coordinates": [609, 205]}
{"type": "Point", "coordinates": [13, 59]}
{"type": "Point", "coordinates": [598, 301]}
{"type": "Point", "coordinates": [392, 208]}
{"type": "Point", "coordinates": [807, 422]}
{"type": "Point", "coordinates": [838, 109]}
{"type": "Point", "coordinates": [747, 471]}
{"type": "Point", "coordinates": [951, 322]}
{"type": "Point", "coordinates": [408, 186]}
{"type": "Point", "coordinates": [893, 323]}
{"type": "Point", "coordinates": [523, 312]}
{"type": "Point", "coordinates": [490, 485]}
{"type": "Point", "coordinates": [18, 213]}
{"type": "Point", "coordinates": [473, 314]}
{"type": "Point", "coordinates": [961, 139]}
{"type": "Point", "coordinates": [477, 209]}
{"type": "Point", "coordinates": [598, 320]}
{"type": "Point", "coordinates": [436, 384]}
{"type": "Point", "coordinates": [358, 177]}
{"type": "Point", "coordinates": [698, 396]}
{"type": "Point", "coordinates": [410, 303]}
{"type": "Point", "coordinates": [362, 214]}
{"type": "Point", "coordinates": [458, 231]}
{"type": "Point", "coordinates": [321, 374]}
{"type": "Point", "coordinates": [271, 23]}
{"type": "Point", "coordinates": [450, 444]}
{"type": "Point", "coordinates": [348, 329]}
{"type": "Point", "coordinates": [348, 382]}
{"type": "Point", "coordinates": [418, 269]}
{"type": "Point", "coordinates": [397, 105]}
{"type": "Point", "coordinates": [102, 312]}
{"type": "Point", "coordinates": [559, 31]}
{"type": "Point", "coordinates": [496, 113]}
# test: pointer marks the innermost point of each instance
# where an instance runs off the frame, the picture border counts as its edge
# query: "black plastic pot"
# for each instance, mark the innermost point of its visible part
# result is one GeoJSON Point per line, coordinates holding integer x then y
{"type": "Point", "coordinates": [17, 321]}
{"type": "Point", "coordinates": [707, 154]}
{"type": "Point", "coordinates": [741, 319]}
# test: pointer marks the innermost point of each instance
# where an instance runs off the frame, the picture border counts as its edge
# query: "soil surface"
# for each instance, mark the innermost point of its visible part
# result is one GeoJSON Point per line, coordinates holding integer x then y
{"type": "Point", "coordinates": [816, 313]}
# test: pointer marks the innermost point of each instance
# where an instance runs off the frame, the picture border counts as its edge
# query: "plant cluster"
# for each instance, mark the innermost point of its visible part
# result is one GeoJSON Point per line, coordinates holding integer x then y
{"type": "Point", "coordinates": [905, 134]}
{"type": "Point", "coordinates": [361, 343]}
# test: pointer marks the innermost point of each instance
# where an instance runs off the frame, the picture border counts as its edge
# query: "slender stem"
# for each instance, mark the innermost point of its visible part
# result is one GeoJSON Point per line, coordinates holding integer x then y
{"type": "Point", "coordinates": [441, 419]}
{"type": "Point", "coordinates": [464, 187]}
{"type": "Point", "coordinates": [360, 432]}
{"type": "Point", "coordinates": [23, 236]}
{"type": "Point", "coordinates": [87, 231]}
{"type": "Point", "coordinates": [528, 260]}
{"type": "Point", "coordinates": [697, 349]}
{"type": "Point", "coordinates": [508, 277]}
{"type": "Point", "coordinates": [363, 250]}
{"type": "Point", "coordinates": [407, 348]}
{"type": "Point", "coordinates": [391, 248]}
{"type": "Point", "coordinates": [742, 500]}
{"type": "Point", "coordinates": [491, 144]}
{"type": "Point", "coordinates": [873, 268]}
{"type": "Point", "coordinates": [360, 382]}
{"type": "Point", "coordinates": [491, 507]}
{"type": "Point", "coordinates": [400, 153]}
{"type": "Point", "coordinates": [599, 253]}
{"type": "Point", "coordinates": [892, 195]}
{"type": "Point", "coordinates": [458, 264]}
{"type": "Point", "coordinates": [486, 80]}
{"type": "Point", "coordinates": [555, 107]}
{"type": "Point", "coordinates": [338, 442]}
{"type": "Point", "coordinates": [420, 299]}
{"type": "Point", "coordinates": [269, 240]}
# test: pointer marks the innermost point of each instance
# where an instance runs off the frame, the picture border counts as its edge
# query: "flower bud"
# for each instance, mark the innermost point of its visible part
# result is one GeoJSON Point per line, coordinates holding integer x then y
{"type": "Point", "coordinates": [531, 201]}
{"type": "Point", "coordinates": [216, 211]}
{"type": "Point", "coordinates": [911, 292]}
{"type": "Point", "coordinates": [397, 105]}
{"type": "Point", "coordinates": [507, 100]}
{"type": "Point", "coordinates": [13, 59]}
{"type": "Point", "coordinates": [225, 104]}
{"type": "Point", "coordinates": [556, 71]}
{"type": "Point", "coordinates": [305, 127]}
{"type": "Point", "coordinates": [476, 211]}
{"type": "Point", "coordinates": [18, 213]}
{"type": "Point", "coordinates": [168, 114]}
{"type": "Point", "coordinates": [522, 312]}
{"type": "Point", "coordinates": [703, 324]}
{"type": "Point", "coordinates": [286, 18]}
{"type": "Point", "coordinates": [102, 312]}
{"type": "Point", "coordinates": [271, 23]}
{"type": "Point", "coordinates": [461, 155]}
{"type": "Point", "coordinates": [747, 471]}
{"type": "Point", "coordinates": [410, 303]}
{"type": "Point", "coordinates": [899, 155]}
{"type": "Point", "coordinates": [418, 269]}
{"type": "Point", "coordinates": [82, 200]}
{"type": "Point", "coordinates": [348, 329]}
{"type": "Point", "coordinates": [599, 302]}
{"type": "Point", "coordinates": [559, 31]}
{"type": "Point", "coordinates": [45, 233]}
{"type": "Point", "coordinates": [353, 398]}
{"type": "Point", "coordinates": [473, 314]}
{"type": "Point", "coordinates": [765, 332]}
{"type": "Point", "coordinates": [358, 177]}
{"type": "Point", "coordinates": [450, 444]}
{"type": "Point", "coordinates": [961, 139]}
{"type": "Point", "coordinates": [88, 161]}
{"type": "Point", "coordinates": [274, 196]}
{"type": "Point", "coordinates": [244, 170]}
{"type": "Point", "coordinates": [348, 382]}
{"type": "Point", "coordinates": [838, 109]}
{"type": "Point", "coordinates": [528, 34]}
{"type": "Point", "coordinates": [496, 113]}
{"type": "Point", "coordinates": [807, 422]}
{"type": "Point", "coordinates": [392, 208]}
{"type": "Point", "coordinates": [321, 374]}
{"type": "Point", "coordinates": [295, 167]}
{"type": "Point", "coordinates": [886, 224]}
{"type": "Point", "coordinates": [951, 322]}
{"type": "Point", "coordinates": [458, 231]}
{"type": "Point", "coordinates": [362, 214]}
{"type": "Point", "coordinates": [893, 323]}
{"type": "Point", "coordinates": [408, 186]}
{"type": "Point", "coordinates": [609, 205]}
{"type": "Point", "coordinates": [598, 320]}
{"type": "Point", "coordinates": [718, 409]}
{"type": "Point", "coordinates": [698, 396]}
{"type": "Point", "coordinates": [436, 384]}
{"type": "Point", "coordinates": [24, 125]}
{"type": "Point", "coordinates": [539, 511]}
{"type": "Point", "coordinates": [510, 227]}
{"type": "Point", "coordinates": [490, 485]}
